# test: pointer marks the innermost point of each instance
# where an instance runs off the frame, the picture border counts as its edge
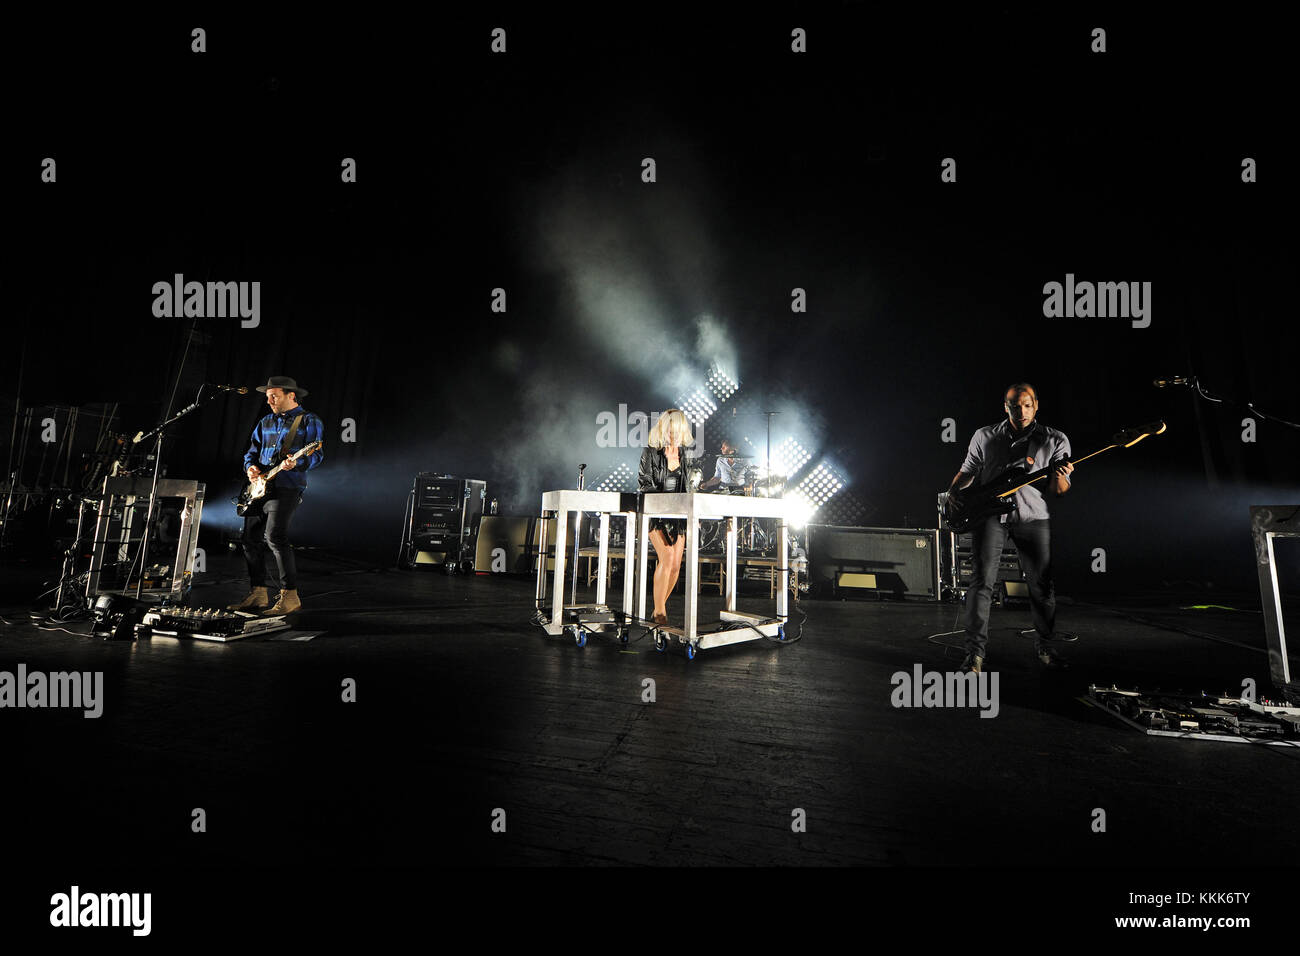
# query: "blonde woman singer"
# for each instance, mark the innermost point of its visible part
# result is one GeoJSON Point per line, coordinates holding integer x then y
{"type": "Point", "coordinates": [662, 470]}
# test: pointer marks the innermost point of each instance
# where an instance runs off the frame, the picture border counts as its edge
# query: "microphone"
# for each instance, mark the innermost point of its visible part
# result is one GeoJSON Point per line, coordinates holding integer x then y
{"type": "Point", "coordinates": [139, 436]}
{"type": "Point", "coordinates": [1174, 380]}
{"type": "Point", "coordinates": [242, 390]}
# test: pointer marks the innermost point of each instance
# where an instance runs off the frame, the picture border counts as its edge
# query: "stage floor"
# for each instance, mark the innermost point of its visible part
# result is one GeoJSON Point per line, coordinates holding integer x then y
{"type": "Point", "coordinates": [462, 707]}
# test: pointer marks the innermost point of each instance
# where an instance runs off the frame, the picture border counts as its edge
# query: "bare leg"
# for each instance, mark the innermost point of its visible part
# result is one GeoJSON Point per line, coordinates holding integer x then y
{"type": "Point", "coordinates": [678, 549]}
{"type": "Point", "coordinates": [669, 559]}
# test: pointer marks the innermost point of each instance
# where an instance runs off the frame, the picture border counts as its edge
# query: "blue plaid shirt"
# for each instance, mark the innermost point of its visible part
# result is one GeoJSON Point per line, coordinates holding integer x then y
{"type": "Point", "coordinates": [266, 443]}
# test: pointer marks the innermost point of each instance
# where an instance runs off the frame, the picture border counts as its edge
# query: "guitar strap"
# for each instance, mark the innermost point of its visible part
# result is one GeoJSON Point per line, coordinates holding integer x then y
{"type": "Point", "coordinates": [286, 442]}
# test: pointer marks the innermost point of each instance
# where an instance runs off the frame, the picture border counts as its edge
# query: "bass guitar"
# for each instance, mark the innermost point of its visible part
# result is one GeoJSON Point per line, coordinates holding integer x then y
{"type": "Point", "coordinates": [961, 509]}
{"type": "Point", "coordinates": [255, 490]}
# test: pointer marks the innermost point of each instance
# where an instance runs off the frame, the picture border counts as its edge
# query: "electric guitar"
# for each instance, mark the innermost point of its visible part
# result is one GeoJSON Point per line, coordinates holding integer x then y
{"type": "Point", "coordinates": [961, 509]}
{"type": "Point", "coordinates": [255, 490]}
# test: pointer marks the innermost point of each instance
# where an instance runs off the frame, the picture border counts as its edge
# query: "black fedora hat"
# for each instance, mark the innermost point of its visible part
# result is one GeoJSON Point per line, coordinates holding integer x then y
{"type": "Point", "coordinates": [283, 382]}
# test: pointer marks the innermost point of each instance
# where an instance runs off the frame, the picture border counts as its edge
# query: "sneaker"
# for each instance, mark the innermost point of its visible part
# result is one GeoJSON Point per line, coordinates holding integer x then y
{"type": "Point", "coordinates": [1052, 660]}
{"type": "Point", "coordinates": [973, 664]}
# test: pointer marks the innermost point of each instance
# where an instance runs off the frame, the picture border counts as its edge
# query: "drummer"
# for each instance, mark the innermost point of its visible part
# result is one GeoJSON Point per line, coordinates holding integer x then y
{"type": "Point", "coordinates": [729, 473]}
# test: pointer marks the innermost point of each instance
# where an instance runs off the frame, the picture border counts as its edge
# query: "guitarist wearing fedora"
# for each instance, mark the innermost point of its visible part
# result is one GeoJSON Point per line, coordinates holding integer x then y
{"type": "Point", "coordinates": [288, 428]}
{"type": "Point", "coordinates": [1021, 441]}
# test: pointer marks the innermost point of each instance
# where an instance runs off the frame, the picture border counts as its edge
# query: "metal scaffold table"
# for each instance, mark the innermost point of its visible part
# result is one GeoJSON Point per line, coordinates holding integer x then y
{"type": "Point", "coordinates": [579, 620]}
{"type": "Point", "coordinates": [735, 626]}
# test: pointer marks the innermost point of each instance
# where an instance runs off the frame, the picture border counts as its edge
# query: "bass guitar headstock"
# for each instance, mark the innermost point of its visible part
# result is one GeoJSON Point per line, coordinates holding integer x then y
{"type": "Point", "coordinates": [1131, 436]}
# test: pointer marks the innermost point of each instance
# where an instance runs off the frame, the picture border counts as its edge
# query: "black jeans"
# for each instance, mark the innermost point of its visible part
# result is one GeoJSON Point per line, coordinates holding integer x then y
{"type": "Point", "coordinates": [1034, 542]}
{"type": "Point", "coordinates": [268, 529]}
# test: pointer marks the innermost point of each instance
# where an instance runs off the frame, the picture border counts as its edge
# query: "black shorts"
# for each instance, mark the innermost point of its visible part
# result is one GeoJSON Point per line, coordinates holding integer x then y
{"type": "Point", "coordinates": [671, 527]}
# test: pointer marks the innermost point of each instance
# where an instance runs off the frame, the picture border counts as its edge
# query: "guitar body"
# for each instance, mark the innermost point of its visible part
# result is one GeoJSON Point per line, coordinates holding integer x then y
{"type": "Point", "coordinates": [968, 515]}
{"type": "Point", "coordinates": [250, 499]}
{"type": "Point", "coordinates": [977, 503]}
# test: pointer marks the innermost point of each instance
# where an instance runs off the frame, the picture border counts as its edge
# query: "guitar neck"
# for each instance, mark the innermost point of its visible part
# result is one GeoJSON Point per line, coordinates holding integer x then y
{"type": "Point", "coordinates": [1044, 472]}
{"type": "Point", "coordinates": [276, 470]}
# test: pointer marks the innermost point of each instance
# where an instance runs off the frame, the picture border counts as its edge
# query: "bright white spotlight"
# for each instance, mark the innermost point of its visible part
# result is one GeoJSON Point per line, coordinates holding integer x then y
{"type": "Point", "coordinates": [721, 384]}
{"type": "Point", "coordinates": [801, 510]}
{"type": "Point", "coordinates": [698, 406]}
{"type": "Point", "coordinates": [617, 480]}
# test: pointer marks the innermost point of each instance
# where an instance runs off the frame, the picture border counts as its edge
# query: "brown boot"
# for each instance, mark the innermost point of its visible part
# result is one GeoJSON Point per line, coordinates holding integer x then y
{"type": "Point", "coordinates": [257, 598]}
{"type": "Point", "coordinates": [287, 604]}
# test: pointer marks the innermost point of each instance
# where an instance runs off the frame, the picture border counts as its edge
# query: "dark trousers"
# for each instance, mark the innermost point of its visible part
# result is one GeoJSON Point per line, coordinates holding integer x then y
{"type": "Point", "coordinates": [267, 529]}
{"type": "Point", "coordinates": [1034, 542]}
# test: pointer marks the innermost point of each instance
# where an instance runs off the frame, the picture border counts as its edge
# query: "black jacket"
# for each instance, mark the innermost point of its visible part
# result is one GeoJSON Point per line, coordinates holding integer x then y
{"type": "Point", "coordinates": [654, 470]}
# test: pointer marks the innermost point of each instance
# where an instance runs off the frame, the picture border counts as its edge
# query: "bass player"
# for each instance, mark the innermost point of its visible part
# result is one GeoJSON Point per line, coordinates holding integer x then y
{"type": "Point", "coordinates": [1020, 440]}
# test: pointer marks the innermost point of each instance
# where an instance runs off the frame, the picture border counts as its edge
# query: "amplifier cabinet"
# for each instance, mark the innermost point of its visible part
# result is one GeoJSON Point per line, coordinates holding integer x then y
{"type": "Point", "coordinates": [957, 564]}
{"type": "Point", "coordinates": [444, 518]}
{"type": "Point", "coordinates": [508, 545]}
{"type": "Point", "coordinates": [957, 567]}
{"type": "Point", "coordinates": [443, 492]}
{"type": "Point", "coordinates": [903, 562]}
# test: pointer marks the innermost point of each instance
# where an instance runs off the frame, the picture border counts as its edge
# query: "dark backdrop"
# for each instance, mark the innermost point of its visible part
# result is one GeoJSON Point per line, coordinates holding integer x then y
{"type": "Point", "coordinates": [775, 171]}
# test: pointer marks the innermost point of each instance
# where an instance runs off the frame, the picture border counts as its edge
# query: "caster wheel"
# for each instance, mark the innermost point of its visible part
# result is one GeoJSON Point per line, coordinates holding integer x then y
{"type": "Point", "coordinates": [660, 644]}
{"type": "Point", "coordinates": [622, 636]}
{"type": "Point", "coordinates": [691, 652]}
{"type": "Point", "coordinates": [579, 637]}
{"type": "Point", "coordinates": [780, 632]}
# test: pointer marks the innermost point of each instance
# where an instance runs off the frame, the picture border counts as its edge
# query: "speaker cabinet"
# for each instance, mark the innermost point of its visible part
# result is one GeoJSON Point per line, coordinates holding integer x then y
{"type": "Point", "coordinates": [508, 545]}
{"type": "Point", "coordinates": [902, 562]}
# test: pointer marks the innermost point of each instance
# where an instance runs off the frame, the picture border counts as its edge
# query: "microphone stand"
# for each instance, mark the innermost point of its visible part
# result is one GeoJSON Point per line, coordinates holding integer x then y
{"type": "Point", "coordinates": [1195, 385]}
{"type": "Point", "coordinates": [769, 442]}
{"type": "Point", "coordinates": [752, 521]}
{"type": "Point", "coordinates": [577, 536]}
{"type": "Point", "coordinates": [157, 435]}
{"type": "Point", "coordinates": [8, 509]}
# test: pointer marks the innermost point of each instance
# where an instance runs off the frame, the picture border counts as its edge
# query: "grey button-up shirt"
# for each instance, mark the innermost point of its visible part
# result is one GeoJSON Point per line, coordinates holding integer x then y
{"type": "Point", "coordinates": [994, 447]}
{"type": "Point", "coordinates": [725, 470]}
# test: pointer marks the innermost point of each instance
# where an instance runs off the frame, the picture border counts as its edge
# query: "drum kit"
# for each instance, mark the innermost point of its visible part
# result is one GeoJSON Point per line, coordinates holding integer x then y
{"type": "Point", "coordinates": [755, 480]}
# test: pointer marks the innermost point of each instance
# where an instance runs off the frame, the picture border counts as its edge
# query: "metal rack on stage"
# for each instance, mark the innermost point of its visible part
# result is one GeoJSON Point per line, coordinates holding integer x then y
{"type": "Point", "coordinates": [736, 626]}
{"type": "Point", "coordinates": [116, 531]}
{"type": "Point", "coordinates": [733, 626]}
{"type": "Point", "coordinates": [581, 619]}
